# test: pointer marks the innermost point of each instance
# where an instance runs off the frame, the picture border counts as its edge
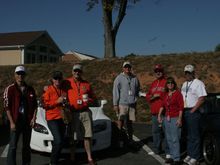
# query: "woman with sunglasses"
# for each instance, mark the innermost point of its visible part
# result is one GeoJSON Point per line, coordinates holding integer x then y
{"type": "Point", "coordinates": [53, 100]}
{"type": "Point", "coordinates": [173, 107]}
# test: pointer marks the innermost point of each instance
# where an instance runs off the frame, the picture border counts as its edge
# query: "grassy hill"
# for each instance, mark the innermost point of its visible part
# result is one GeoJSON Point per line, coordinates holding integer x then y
{"type": "Point", "coordinates": [102, 72]}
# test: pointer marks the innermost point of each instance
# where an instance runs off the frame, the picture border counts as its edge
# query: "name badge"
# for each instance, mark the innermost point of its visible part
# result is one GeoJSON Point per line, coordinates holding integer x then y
{"type": "Point", "coordinates": [129, 92]}
{"type": "Point", "coordinates": [79, 102]}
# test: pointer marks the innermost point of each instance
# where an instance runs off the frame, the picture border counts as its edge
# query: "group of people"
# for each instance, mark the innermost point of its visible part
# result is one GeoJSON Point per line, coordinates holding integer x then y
{"type": "Point", "coordinates": [74, 94]}
{"type": "Point", "coordinates": [169, 106]}
{"type": "Point", "coordinates": [172, 109]}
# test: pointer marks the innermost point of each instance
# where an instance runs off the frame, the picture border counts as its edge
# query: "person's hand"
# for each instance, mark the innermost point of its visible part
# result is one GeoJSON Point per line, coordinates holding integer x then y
{"type": "Point", "coordinates": [60, 100]}
{"type": "Point", "coordinates": [154, 96]}
{"type": "Point", "coordinates": [179, 122]}
{"type": "Point", "coordinates": [13, 127]}
{"type": "Point", "coordinates": [159, 119]}
{"type": "Point", "coordinates": [32, 123]}
{"type": "Point", "coordinates": [115, 108]}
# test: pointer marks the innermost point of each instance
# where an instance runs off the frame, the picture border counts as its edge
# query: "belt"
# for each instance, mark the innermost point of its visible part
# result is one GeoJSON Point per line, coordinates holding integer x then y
{"type": "Point", "coordinates": [188, 109]}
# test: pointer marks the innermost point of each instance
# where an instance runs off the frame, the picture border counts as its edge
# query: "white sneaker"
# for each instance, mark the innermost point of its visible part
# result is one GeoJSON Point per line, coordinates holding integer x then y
{"type": "Point", "coordinates": [192, 161]}
{"type": "Point", "coordinates": [168, 156]}
{"type": "Point", "coordinates": [187, 159]}
{"type": "Point", "coordinates": [151, 153]}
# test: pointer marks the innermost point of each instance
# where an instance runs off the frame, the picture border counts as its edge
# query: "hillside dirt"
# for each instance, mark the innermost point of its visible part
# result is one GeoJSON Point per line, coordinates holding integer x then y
{"type": "Point", "coordinates": [102, 72]}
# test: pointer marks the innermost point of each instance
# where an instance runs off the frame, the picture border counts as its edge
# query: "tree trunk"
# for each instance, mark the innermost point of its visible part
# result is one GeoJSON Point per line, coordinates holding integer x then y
{"type": "Point", "coordinates": [109, 34]}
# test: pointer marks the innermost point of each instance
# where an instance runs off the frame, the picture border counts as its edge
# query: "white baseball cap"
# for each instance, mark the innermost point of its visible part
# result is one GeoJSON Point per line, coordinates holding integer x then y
{"type": "Point", "coordinates": [189, 68]}
{"type": "Point", "coordinates": [77, 66]}
{"type": "Point", "coordinates": [126, 63]}
{"type": "Point", "coordinates": [19, 69]}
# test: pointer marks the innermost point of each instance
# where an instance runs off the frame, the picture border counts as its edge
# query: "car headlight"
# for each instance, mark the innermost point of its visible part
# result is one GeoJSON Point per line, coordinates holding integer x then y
{"type": "Point", "coordinates": [98, 127]}
{"type": "Point", "coordinates": [40, 128]}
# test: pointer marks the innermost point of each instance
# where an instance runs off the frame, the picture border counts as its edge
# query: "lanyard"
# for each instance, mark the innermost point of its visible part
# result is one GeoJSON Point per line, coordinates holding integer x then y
{"type": "Point", "coordinates": [187, 88]}
{"type": "Point", "coordinates": [78, 87]}
{"type": "Point", "coordinates": [169, 98]}
{"type": "Point", "coordinates": [58, 93]}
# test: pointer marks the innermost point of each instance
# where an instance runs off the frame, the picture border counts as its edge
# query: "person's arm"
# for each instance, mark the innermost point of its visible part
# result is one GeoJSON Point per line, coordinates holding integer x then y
{"type": "Point", "coordinates": [200, 101]}
{"type": "Point", "coordinates": [159, 117]}
{"type": "Point", "coordinates": [12, 123]}
{"type": "Point", "coordinates": [116, 95]}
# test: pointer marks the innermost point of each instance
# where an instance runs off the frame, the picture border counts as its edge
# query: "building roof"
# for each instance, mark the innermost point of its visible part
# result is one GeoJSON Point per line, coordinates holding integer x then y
{"type": "Point", "coordinates": [81, 56]}
{"type": "Point", "coordinates": [22, 39]}
{"type": "Point", "coordinates": [19, 38]}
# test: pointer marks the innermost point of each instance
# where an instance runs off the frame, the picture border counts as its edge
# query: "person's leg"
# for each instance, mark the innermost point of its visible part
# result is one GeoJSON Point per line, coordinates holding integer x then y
{"type": "Point", "coordinates": [55, 128]}
{"type": "Point", "coordinates": [167, 131]}
{"type": "Point", "coordinates": [193, 131]}
{"type": "Point", "coordinates": [156, 132]}
{"type": "Point", "coordinates": [174, 141]}
{"type": "Point", "coordinates": [87, 145]}
{"type": "Point", "coordinates": [11, 157]}
{"type": "Point", "coordinates": [26, 150]}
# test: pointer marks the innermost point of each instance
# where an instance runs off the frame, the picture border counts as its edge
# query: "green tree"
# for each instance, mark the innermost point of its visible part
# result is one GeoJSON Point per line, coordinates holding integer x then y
{"type": "Point", "coordinates": [111, 26]}
{"type": "Point", "coordinates": [217, 48]}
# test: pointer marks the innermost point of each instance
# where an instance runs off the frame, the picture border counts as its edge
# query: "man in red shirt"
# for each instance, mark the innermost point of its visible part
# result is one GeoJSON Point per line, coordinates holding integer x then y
{"type": "Point", "coordinates": [155, 97]}
{"type": "Point", "coordinates": [20, 105]}
{"type": "Point", "coordinates": [80, 96]}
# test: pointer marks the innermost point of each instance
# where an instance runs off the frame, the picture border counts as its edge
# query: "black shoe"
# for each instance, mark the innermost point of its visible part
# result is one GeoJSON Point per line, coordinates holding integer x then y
{"type": "Point", "coordinates": [176, 163]}
{"type": "Point", "coordinates": [169, 160]}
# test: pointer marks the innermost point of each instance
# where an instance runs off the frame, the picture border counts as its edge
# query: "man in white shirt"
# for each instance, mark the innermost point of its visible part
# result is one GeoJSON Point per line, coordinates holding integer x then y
{"type": "Point", "coordinates": [193, 91]}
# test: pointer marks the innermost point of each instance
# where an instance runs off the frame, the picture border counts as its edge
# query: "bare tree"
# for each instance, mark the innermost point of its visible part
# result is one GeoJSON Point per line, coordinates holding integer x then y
{"type": "Point", "coordinates": [110, 27]}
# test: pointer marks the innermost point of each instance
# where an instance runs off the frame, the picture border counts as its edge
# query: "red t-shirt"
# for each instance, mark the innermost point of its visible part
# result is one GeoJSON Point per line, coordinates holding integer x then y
{"type": "Point", "coordinates": [173, 104]}
{"type": "Point", "coordinates": [157, 87]}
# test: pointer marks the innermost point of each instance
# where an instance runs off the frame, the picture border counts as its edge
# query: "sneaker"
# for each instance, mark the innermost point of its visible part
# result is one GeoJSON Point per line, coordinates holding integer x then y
{"type": "Point", "coordinates": [169, 161]}
{"type": "Point", "coordinates": [176, 163]}
{"type": "Point", "coordinates": [187, 159]}
{"type": "Point", "coordinates": [193, 162]}
{"type": "Point", "coordinates": [168, 156]}
{"type": "Point", "coordinates": [151, 153]}
{"type": "Point", "coordinates": [92, 162]}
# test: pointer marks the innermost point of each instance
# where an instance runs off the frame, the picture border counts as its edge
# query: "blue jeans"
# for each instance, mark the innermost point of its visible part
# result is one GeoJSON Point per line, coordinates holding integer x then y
{"type": "Point", "coordinates": [173, 134]}
{"type": "Point", "coordinates": [192, 124]}
{"type": "Point", "coordinates": [57, 129]}
{"type": "Point", "coordinates": [22, 127]}
{"type": "Point", "coordinates": [157, 132]}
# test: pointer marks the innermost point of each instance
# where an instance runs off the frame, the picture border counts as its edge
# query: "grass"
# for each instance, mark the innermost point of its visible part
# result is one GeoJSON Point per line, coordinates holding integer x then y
{"type": "Point", "coordinates": [102, 72]}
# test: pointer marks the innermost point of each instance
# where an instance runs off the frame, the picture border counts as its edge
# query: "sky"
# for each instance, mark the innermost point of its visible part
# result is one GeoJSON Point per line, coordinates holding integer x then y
{"type": "Point", "coordinates": [150, 27]}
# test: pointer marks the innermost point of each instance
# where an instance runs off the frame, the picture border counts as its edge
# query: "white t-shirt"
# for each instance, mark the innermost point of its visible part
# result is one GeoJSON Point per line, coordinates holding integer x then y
{"type": "Point", "coordinates": [191, 91]}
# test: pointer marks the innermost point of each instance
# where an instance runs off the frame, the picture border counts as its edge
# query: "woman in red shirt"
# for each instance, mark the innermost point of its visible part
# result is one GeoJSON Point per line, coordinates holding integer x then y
{"type": "Point", "coordinates": [173, 106]}
{"type": "Point", "coordinates": [53, 99]}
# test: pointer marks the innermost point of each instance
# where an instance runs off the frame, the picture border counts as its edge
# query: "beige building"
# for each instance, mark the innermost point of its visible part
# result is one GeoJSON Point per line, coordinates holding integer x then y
{"type": "Point", "coordinates": [28, 47]}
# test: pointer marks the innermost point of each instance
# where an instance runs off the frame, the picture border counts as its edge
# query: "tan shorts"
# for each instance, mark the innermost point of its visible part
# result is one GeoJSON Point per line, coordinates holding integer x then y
{"type": "Point", "coordinates": [126, 111]}
{"type": "Point", "coordinates": [82, 124]}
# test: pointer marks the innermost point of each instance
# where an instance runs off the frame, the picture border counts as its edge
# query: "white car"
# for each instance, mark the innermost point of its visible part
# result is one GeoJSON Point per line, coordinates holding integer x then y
{"type": "Point", "coordinates": [42, 138]}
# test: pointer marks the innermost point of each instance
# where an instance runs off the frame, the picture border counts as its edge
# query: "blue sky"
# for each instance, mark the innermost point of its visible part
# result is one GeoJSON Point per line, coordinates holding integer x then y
{"type": "Point", "coordinates": [150, 27]}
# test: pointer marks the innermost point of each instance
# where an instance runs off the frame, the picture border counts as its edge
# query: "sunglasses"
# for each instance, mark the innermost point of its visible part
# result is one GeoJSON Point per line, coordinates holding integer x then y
{"type": "Point", "coordinates": [158, 71]}
{"type": "Point", "coordinates": [187, 72]}
{"type": "Point", "coordinates": [20, 73]}
{"type": "Point", "coordinates": [170, 82]}
{"type": "Point", "coordinates": [57, 78]}
{"type": "Point", "coordinates": [77, 70]}
{"type": "Point", "coordinates": [127, 66]}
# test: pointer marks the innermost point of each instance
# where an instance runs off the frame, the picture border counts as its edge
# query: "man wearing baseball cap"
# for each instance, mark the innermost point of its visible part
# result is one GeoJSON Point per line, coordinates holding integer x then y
{"type": "Point", "coordinates": [193, 91]}
{"type": "Point", "coordinates": [20, 105]}
{"type": "Point", "coordinates": [154, 97]}
{"type": "Point", "coordinates": [126, 88]}
{"type": "Point", "coordinates": [80, 96]}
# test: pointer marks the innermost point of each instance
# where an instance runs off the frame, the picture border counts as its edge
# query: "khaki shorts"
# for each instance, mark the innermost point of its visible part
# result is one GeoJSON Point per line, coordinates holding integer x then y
{"type": "Point", "coordinates": [126, 111]}
{"type": "Point", "coordinates": [82, 125]}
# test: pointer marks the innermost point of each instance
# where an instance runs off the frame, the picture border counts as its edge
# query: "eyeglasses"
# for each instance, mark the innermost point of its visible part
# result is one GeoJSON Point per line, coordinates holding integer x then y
{"type": "Point", "coordinates": [77, 70]}
{"type": "Point", "coordinates": [57, 78]}
{"type": "Point", "coordinates": [127, 66]}
{"type": "Point", "coordinates": [158, 71]}
{"type": "Point", "coordinates": [187, 72]}
{"type": "Point", "coordinates": [170, 82]}
{"type": "Point", "coordinates": [20, 73]}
